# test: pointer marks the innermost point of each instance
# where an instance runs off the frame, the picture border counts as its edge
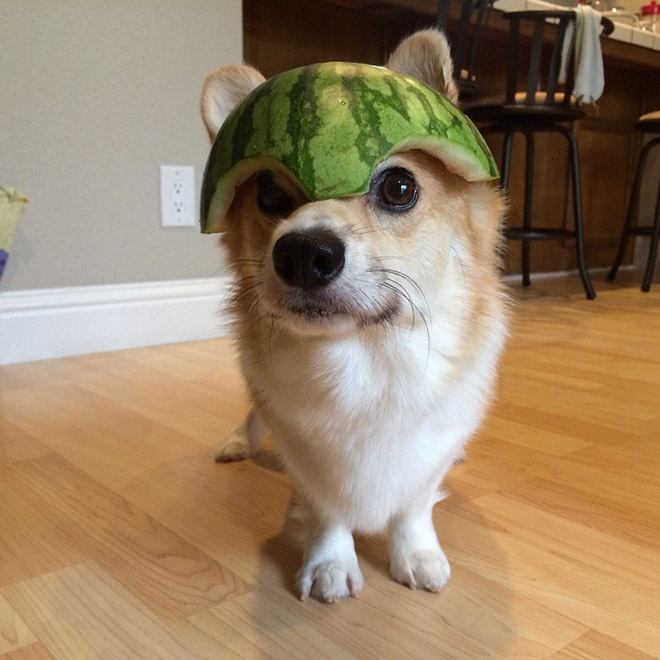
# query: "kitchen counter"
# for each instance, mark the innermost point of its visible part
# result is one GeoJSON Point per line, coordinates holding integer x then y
{"type": "Point", "coordinates": [623, 32]}
{"type": "Point", "coordinates": [626, 43]}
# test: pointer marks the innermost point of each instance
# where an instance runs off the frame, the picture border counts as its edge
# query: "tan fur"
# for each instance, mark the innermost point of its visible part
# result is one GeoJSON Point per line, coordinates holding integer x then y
{"type": "Point", "coordinates": [426, 56]}
{"type": "Point", "coordinates": [224, 88]}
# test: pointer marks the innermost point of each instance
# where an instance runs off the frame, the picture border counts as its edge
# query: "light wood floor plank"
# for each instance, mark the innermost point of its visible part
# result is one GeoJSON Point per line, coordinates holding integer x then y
{"type": "Point", "coordinates": [171, 575]}
{"type": "Point", "coordinates": [609, 484]}
{"type": "Point", "coordinates": [17, 445]}
{"type": "Point", "coordinates": [281, 631]}
{"type": "Point", "coordinates": [640, 459]}
{"type": "Point", "coordinates": [493, 464]}
{"type": "Point", "coordinates": [94, 433]}
{"type": "Point", "coordinates": [209, 505]}
{"type": "Point", "coordinates": [545, 559]}
{"type": "Point", "coordinates": [596, 646]}
{"type": "Point", "coordinates": [632, 524]}
{"type": "Point", "coordinates": [33, 652]}
{"type": "Point", "coordinates": [81, 612]}
{"type": "Point", "coordinates": [256, 624]}
{"type": "Point", "coordinates": [524, 434]}
{"type": "Point", "coordinates": [558, 420]}
{"type": "Point", "coordinates": [31, 541]}
{"type": "Point", "coordinates": [473, 617]}
{"type": "Point", "coordinates": [14, 633]}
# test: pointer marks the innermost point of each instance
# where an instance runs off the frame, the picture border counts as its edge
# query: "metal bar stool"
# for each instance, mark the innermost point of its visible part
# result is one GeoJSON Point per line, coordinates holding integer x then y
{"type": "Point", "coordinates": [649, 123]}
{"type": "Point", "coordinates": [533, 111]}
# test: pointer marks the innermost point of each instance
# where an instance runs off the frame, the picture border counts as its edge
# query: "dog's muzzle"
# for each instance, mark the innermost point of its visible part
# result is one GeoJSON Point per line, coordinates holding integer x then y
{"type": "Point", "coordinates": [308, 259]}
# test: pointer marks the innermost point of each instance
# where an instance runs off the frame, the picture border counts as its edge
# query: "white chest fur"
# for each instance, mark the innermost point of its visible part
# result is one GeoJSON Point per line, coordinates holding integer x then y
{"type": "Point", "coordinates": [365, 428]}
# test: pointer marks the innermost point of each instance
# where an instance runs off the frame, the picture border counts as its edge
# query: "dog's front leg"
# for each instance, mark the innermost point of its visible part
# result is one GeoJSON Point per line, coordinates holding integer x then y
{"type": "Point", "coordinates": [244, 442]}
{"type": "Point", "coordinates": [416, 558]}
{"type": "Point", "coordinates": [330, 568]}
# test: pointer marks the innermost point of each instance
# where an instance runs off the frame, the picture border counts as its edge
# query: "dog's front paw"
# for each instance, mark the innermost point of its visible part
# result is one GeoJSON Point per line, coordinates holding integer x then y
{"type": "Point", "coordinates": [330, 580]}
{"type": "Point", "coordinates": [243, 442]}
{"type": "Point", "coordinates": [428, 570]}
{"type": "Point", "coordinates": [234, 448]}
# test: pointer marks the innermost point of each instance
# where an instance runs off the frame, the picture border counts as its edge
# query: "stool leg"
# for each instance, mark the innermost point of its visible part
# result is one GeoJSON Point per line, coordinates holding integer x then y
{"type": "Point", "coordinates": [506, 159]}
{"type": "Point", "coordinates": [577, 210]}
{"type": "Point", "coordinates": [632, 209]}
{"type": "Point", "coordinates": [527, 215]}
{"type": "Point", "coordinates": [653, 248]}
{"type": "Point", "coordinates": [506, 150]}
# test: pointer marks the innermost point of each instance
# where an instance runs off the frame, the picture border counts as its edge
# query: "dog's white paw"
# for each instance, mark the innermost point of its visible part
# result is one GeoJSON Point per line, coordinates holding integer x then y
{"type": "Point", "coordinates": [244, 442]}
{"type": "Point", "coordinates": [428, 570]}
{"type": "Point", "coordinates": [330, 581]}
{"type": "Point", "coordinates": [234, 448]}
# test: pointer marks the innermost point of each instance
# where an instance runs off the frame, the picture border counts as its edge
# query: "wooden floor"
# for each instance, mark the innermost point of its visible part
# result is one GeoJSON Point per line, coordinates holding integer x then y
{"type": "Point", "coordinates": [120, 537]}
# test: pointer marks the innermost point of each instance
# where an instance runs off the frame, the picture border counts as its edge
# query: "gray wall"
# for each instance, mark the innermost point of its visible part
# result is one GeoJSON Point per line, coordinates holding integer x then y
{"type": "Point", "coordinates": [94, 96]}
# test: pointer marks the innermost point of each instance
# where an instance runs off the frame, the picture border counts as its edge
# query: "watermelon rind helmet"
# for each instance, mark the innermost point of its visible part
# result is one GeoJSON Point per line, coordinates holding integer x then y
{"type": "Point", "coordinates": [328, 126]}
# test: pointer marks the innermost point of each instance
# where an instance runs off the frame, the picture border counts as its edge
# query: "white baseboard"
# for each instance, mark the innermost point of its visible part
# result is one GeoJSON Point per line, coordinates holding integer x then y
{"type": "Point", "coordinates": [554, 274]}
{"type": "Point", "coordinates": [51, 323]}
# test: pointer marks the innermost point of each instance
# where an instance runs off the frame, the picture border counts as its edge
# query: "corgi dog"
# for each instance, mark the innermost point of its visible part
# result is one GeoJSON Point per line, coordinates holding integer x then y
{"type": "Point", "coordinates": [369, 330]}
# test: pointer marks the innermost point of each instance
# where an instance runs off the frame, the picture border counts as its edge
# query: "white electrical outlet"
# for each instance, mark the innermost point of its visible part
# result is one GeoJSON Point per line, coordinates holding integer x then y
{"type": "Point", "coordinates": [177, 196]}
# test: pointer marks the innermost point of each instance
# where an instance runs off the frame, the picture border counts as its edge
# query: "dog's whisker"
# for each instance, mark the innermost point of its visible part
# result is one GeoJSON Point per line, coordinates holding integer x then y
{"type": "Point", "coordinates": [258, 320]}
{"type": "Point", "coordinates": [369, 302]}
{"type": "Point", "coordinates": [410, 280]}
{"type": "Point", "coordinates": [240, 264]}
{"type": "Point", "coordinates": [224, 269]}
{"type": "Point", "coordinates": [460, 262]}
{"type": "Point", "coordinates": [253, 305]}
{"type": "Point", "coordinates": [392, 258]}
{"type": "Point", "coordinates": [363, 232]}
{"type": "Point", "coordinates": [399, 288]}
{"type": "Point", "coordinates": [246, 291]}
{"type": "Point", "coordinates": [236, 285]}
{"type": "Point", "coordinates": [270, 343]}
{"type": "Point", "coordinates": [407, 278]}
{"type": "Point", "coordinates": [256, 247]}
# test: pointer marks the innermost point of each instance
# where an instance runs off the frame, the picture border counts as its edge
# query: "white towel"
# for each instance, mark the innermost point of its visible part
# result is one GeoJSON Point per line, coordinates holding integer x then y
{"type": "Point", "coordinates": [582, 37]}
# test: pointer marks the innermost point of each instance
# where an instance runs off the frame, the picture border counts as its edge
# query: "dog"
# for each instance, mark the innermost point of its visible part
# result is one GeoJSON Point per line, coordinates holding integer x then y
{"type": "Point", "coordinates": [373, 381]}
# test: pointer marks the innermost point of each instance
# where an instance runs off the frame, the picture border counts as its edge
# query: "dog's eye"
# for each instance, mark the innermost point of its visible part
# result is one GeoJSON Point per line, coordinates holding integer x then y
{"type": "Point", "coordinates": [396, 189]}
{"type": "Point", "coordinates": [271, 198]}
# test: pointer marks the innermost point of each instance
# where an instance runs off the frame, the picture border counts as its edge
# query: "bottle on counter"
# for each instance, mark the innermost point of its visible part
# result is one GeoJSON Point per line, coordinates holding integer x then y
{"type": "Point", "coordinates": [650, 17]}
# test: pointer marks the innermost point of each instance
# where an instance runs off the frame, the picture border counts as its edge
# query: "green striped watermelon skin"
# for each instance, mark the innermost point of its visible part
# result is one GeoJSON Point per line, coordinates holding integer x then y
{"type": "Point", "coordinates": [329, 126]}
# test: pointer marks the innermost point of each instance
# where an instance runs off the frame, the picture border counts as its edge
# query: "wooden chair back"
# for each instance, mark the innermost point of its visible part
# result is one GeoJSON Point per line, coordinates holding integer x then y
{"type": "Point", "coordinates": [466, 44]}
{"type": "Point", "coordinates": [539, 76]}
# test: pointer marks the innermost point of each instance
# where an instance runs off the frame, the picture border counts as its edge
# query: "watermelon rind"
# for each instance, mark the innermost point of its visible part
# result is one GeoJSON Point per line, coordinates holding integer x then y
{"type": "Point", "coordinates": [328, 126]}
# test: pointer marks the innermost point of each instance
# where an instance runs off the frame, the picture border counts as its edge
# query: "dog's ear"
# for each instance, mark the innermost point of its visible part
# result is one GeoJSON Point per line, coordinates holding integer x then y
{"type": "Point", "coordinates": [223, 90]}
{"type": "Point", "coordinates": [426, 56]}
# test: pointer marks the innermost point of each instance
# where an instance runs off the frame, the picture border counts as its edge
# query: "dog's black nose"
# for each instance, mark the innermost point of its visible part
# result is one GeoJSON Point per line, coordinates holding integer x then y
{"type": "Point", "coordinates": [308, 259]}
